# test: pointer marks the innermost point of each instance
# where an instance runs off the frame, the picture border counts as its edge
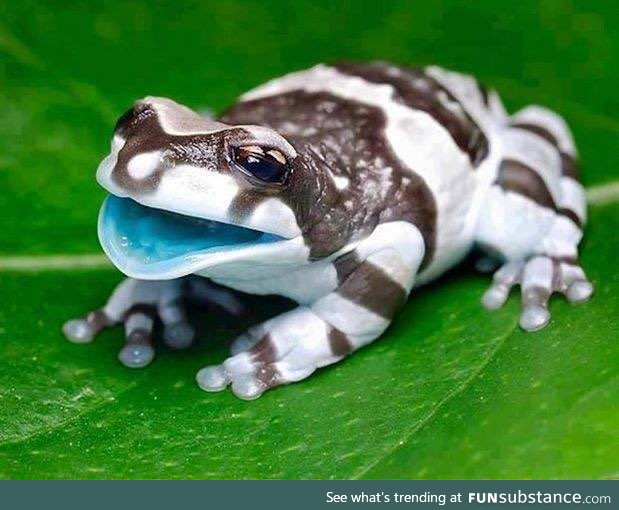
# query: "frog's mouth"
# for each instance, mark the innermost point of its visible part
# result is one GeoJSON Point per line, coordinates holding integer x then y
{"type": "Point", "coordinates": [149, 243]}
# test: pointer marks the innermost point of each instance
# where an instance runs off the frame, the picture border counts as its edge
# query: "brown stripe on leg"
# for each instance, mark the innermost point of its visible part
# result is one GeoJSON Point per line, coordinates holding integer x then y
{"type": "Point", "coordinates": [566, 260]}
{"type": "Point", "coordinates": [372, 288]}
{"type": "Point", "coordinates": [538, 130]}
{"type": "Point", "coordinates": [141, 308]}
{"type": "Point", "coordinates": [98, 319]}
{"type": "Point", "coordinates": [268, 376]}
{"type": "Point", "coordinates": [522, 179]}
{"type": "Point", "coordinates": [264, 351]}
{"type": "Point", "coordinates": [569, 167]}
{"type": "Point", "coordinates": [339, 343]}
{"type": "Point", "coordinates": [568, 213]}
{"type": "Point", "coordinates": [346, 264]}
{"type": "Point", "coordinates": [84, 330]}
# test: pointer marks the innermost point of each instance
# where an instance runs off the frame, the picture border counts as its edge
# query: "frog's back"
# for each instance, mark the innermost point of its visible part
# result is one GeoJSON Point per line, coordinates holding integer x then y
{"type": "Point", "coordinates": [402, 143]}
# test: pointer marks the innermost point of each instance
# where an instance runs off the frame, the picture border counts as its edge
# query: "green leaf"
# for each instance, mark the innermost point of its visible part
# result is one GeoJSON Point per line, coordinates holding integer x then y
{"type": "Point", "coordinates": [449, 392]}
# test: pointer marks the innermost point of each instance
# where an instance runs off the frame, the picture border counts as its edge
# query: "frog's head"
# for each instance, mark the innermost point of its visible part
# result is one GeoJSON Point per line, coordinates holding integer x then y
{"type": "Point", "coordinates": [189, 194]}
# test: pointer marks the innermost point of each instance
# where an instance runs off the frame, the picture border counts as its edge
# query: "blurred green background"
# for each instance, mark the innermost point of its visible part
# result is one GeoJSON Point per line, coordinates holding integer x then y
{"type": "Point", "coordinates": [449, 392]}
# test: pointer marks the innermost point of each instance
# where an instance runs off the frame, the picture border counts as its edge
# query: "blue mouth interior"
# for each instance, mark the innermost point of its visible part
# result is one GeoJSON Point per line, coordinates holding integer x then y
{"type": "Point", "coordinates": [149, 241]}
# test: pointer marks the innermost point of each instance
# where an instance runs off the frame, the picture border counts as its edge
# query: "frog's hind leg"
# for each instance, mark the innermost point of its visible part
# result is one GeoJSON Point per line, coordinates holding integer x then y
{"type": "Point", "coordinates": [533, 217]}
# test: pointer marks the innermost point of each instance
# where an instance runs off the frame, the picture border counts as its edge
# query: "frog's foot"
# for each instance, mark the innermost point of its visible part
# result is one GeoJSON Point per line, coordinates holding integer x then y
{"type": "Point", "coordinates": [289, 348]}
{"type": "Point", "coordinates": [538, 277]}
{"type": "Point", "coordinates": [137, 304]}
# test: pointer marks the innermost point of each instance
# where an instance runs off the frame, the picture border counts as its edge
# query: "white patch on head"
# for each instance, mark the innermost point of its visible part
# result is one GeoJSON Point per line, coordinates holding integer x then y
{"type": "Point", "coordinates": [143, 165]}
{"type": "Point", "coordinates": [193, 191]}
{"type": "Point", "coordinates": [177, 119]}
{"type": "Point", "coordinates": [275, 217]}
{"type": "Point", "coordinates": [417, 139]}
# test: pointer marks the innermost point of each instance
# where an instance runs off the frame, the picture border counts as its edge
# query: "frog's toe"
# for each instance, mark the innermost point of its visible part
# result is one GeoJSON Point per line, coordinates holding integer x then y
{"type": "Point", "coordinates": [179, 335]}
{"type": "Point", "coordinates": [78, 331]}
{"type": "Point", "coordinates": [138, 352]}
{"type": "Point", "coordinates": [579, 291]}
{"type": "Point", "coordinates": [495, 297]}
{"type": "Point", "coordinates": [534, 318]}
{"type": "Point", "coordinates": [212, 378]}
{"type": "Point", "coordinates": [248, 387]}
{"type": "Point", "coordinates": [84, 329]}
{"type": "Point", "coordinates": [570, 279]}
{"type": "Point", "coordinates": [502, 282]}
{"type": "Point", "coordinates": [247, 378]}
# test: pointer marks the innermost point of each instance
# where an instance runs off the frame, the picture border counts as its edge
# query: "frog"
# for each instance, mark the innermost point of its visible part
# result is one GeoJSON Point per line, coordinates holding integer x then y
{"type": "Point", "coordinates": [344, 188]}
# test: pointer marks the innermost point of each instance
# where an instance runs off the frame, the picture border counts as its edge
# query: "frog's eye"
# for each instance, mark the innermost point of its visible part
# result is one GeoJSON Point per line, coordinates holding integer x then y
{"type": "Point", "coordinates": [266, 165]}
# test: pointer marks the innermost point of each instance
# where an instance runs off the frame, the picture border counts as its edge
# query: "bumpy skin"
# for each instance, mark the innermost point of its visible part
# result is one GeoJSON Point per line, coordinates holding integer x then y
{"type": "Point", "coordinates": [396, 174]}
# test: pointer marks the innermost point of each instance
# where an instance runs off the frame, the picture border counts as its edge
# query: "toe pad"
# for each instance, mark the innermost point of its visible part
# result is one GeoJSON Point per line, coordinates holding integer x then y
{"type": "Point", "coordinates": [78, 331]}
{"type": "Point", "coordinates": [136, 355]}
{"type": "Point", "coordinates": [534, 318]}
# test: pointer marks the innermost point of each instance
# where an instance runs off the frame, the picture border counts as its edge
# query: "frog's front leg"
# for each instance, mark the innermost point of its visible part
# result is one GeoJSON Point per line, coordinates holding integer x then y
{"type": "Point", "coordinates": [288, 348]}
{"type": "Point", "coordinates": [137, 304]}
